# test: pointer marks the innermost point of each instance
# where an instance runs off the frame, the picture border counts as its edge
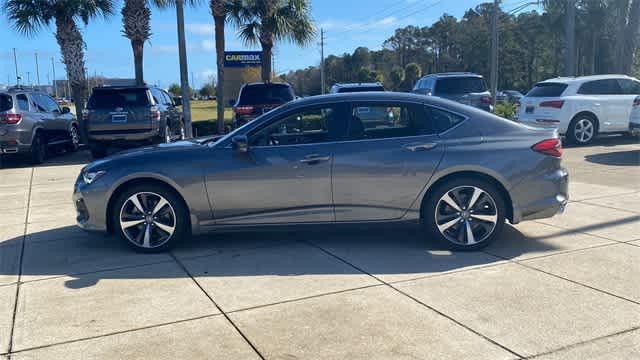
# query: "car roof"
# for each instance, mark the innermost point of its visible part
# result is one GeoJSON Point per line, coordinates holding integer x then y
{"type": "Point", "coordinates": [580, 79]}
{"type": "Point", "coordinates": [357, 85]}
{"type": "Point", "coordinates": [373, 96]}
{"type": "Point", "coordinates": [144, 87]}
{"type": "Point", "coordinates": [454, 74]}
{"type": "Point", "coordinates": [267, 83]}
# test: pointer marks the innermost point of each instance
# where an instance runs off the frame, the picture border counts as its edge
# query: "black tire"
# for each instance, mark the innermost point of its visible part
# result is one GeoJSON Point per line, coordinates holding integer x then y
{"type": "Point", "coordinates": [74, 139]}
{"type": "Point", "coordinates": [38, 148]}
{"type": "Point", "coordinates": [181, 220]}
{"type": "Point", "coordinates": [98, 151]}
{"type": "Point", "coordinates": [575, 133]}
{"type": "Point", "coordinates": [464, 185]}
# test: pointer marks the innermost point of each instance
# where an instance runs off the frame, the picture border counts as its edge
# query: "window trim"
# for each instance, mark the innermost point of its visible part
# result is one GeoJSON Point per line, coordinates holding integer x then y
{"type": "Point", "coordinates": [29, 103]}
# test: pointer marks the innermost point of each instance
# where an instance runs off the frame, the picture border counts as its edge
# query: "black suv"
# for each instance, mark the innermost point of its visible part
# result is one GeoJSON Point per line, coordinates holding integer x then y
{"type": "Point", "coordinates": [463, 87]}
{"type": "Point", "coordinates": [356, 87]}
{"type": "Point", "coordinates": [131, 116]}
{"type": "Point", "coordinates": [256, 99]}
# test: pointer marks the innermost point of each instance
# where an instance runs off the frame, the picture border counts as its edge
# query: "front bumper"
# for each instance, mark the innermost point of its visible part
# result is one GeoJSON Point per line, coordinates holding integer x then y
{"type": "Point", "coordinates": [91, 207]}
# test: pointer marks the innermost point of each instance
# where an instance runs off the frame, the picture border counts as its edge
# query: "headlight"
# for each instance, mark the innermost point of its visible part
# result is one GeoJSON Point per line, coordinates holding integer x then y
{"type": "Point", "coordinates": [91, 176]}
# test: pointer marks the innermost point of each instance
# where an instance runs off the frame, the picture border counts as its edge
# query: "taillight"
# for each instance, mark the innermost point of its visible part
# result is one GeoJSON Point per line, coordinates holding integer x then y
{"type": "Point", "coordinates": [244, 110]}
{"type": "Point", "coordinates": [155, 113]}
{"type": "Point", "coordinates": [636, 102]}
{"type": "Point", "coordinates": [10, 118]}
{"type": "Point", "coordinates": [551, 147]}
{"type": "Point", "coordinates": [486, 100]}
{"type": "Point", "coordinates": [556, 104]}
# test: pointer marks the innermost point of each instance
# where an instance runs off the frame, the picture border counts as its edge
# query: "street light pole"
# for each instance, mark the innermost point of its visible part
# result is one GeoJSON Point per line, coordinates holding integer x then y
{"type": "Point", "coordinates": [15, 61]}
{"type": "Point", "coordinates": [322, 78]}
{"type": "Point", "coordinates": [37, 70]}
{"type": "Point", "coordinates": [494, 52]}
{"type": "Point", "coordinates": [184, 72]}
{"type": "Point", "coordinates": [55, 87]}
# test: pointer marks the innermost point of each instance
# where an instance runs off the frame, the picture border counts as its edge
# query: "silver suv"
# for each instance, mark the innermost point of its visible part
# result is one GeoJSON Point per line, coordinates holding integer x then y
{"type": "Point", "coordinates": [31, 121]}
{"type": "Point", "coordinates": [463, 87]}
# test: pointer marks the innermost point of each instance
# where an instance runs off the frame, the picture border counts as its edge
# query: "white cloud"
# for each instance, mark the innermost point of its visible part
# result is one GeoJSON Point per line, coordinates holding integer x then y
{"type": "Point", "coordinates": [356, 26]}
{"type": "Point", "coordinates": [208, 45]}
{"type": "Point", "coordinates": [200, 28]}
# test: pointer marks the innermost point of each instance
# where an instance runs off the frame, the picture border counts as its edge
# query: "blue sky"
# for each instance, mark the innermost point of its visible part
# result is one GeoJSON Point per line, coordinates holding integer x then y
{"type": "Point", "coordinates": [348, 24]}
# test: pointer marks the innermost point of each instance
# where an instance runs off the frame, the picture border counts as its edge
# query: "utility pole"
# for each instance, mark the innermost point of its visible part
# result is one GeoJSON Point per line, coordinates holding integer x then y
{"type": "Point", "coordinates": [184, 77]}
{"type": "Point", "coordinates": [494, 52]}
{"type": "Point", "coordinates": [15, 61]}
{"type": "Point", "coordinates": [570, 35]}
{"type": "Point", "coordinates": [322, 80]}
{"type": "Point", "coordinates": [37, 70]}
{"type": "Point", "coordinates": [28, 78]}
{"type": "Point", "coordinates": [55, 87]}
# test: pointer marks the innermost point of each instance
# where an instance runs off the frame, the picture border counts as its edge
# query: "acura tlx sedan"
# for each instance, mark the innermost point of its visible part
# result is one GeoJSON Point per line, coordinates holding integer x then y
{"type": "Point", "coordinates": [457, 170]}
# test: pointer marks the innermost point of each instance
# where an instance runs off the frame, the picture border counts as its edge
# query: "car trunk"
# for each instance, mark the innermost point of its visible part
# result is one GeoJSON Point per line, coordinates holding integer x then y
{"type": "Point", "coordinates": [544, 101]}
{"type": "Point", "coordinates": [119, 110]}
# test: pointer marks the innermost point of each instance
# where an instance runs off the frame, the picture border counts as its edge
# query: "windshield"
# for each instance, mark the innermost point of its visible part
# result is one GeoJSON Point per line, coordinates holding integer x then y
{"type": "Point", "coordinates": [360, 89]}
{"type": "Point", "coordinates": [460, 85]}
{"type": "Point", "coordinates": [547, 90]}
{"type": "Point", "coordinates": [114, 98]}
{"type": "Point", "coordinates": [6, 103]}
{"type": "Point", "coordinates": [265, 94]}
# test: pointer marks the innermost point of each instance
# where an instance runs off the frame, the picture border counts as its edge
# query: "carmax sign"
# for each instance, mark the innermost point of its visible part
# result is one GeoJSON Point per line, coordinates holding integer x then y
{"type": "Point", "coordinates": [242, 58]}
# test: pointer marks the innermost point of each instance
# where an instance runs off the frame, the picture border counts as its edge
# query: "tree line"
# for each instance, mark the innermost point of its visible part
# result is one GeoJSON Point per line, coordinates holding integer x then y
{"type": "Point", "coordinates": [531, 47]}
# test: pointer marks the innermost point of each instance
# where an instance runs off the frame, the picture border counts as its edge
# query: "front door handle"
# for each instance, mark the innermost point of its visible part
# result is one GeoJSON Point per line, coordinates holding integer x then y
{"type": "Point", "coordinates": [315, 159]}
{"type": "Point", "coordinates": [420, 147]}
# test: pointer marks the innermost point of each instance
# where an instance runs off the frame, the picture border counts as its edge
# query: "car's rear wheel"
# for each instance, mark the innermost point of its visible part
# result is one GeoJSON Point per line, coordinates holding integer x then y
{"type": "Point", "coordinates": [582, 130]}
{"type": "Point", "coordinates": [150, 217]}
{"type": "Point", "coordinates": [38, 148]}
{"type": "Point", "coordinates": [465, 214]}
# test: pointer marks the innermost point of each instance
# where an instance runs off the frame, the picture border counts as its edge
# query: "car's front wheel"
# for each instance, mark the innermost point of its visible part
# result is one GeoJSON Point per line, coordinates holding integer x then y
{"type": "Point", "coordinates": [150, 217]}
{"type": "Point", "coordinates": [74, 139]}
{"type": "Point", "coordinates": [465, 214]}
{"type": "Point", "coordinates": [38, 148]}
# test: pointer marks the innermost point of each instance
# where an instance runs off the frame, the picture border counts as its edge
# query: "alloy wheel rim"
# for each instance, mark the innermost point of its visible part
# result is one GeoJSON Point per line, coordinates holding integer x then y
{"type": "Point", "coordinates": [182, 132]}
{"type": "Point", "coordinates": [466, 215]}
{"type": "Point", "coordinates": [147, 220]}
{"type": "Point", "coordinates": [584, 130]}
{"type": "Point", "coordinates": [75, 139]}
{"type": "Point", "coordinates": [167, 132]}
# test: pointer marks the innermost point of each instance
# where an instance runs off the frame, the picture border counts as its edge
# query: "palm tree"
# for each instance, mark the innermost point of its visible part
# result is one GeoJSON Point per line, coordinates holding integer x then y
{"type": "Point", "coordinates": [219, 10]}
{"type": "Point", "coordinates": [136, 17]}
{"type": "Point", "coordinates": [266, 21]}
{"type": "Point", "coordinates": [30, 16]}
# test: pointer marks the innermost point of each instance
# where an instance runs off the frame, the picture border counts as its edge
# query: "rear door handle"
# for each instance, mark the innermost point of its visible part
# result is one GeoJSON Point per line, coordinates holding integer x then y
{"type": "Point", "coordinates": [420, 147]}
{"type": "Point", "coordinates": [314, 159]}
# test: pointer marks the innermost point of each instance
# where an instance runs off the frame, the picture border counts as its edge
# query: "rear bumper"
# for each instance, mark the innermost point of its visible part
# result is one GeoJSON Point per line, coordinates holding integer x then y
{"type": "Point", "coordinates": [542, 197]}
{"type": "Point", "coordinates": [14, 140]}
{"type": "Point", "coordinates": [124, 136]}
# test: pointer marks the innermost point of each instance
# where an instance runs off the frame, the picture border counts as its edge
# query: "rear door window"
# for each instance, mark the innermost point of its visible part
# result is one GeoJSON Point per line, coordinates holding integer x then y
{"type": "Point", "coordinates": [265, 94]}
{"type": "Point", "coordinates": [118, 98]}
{"type": "Point", "coordinates": [601, 87]}
{"type": "Point", "coordinates": [460, 85]}
{"type": "Point", "coordinates": [23, 102]}
{"type": "Point", "coordinates": [6, 102]}
{"type": "Point", "coordinates": [547, 90]}
{"type": "Point", "coordinates": [374, 120]}
{"type": "Point", "coordinates": [436, 120]}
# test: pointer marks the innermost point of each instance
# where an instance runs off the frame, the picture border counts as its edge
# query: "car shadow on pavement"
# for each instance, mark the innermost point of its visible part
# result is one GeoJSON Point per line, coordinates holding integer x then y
{"type": "Point", "coordinates": [618, 158]}
{"type": "Point", "coordinates": [394, 251]}
{"type": "Point", "coordinates": [55, 158]}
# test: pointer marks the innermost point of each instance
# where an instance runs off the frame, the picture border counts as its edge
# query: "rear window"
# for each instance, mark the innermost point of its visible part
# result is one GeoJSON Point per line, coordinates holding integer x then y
{"type": "Point", "coordinates": [123, 98]}
{"type": "Point", "coordinates": [460, 85]}
{"type": "Point", "coordinates": [360, 89]}
{"type": "Point", "coordinates": [6, 102]}
{"type": "Point", "coordinates": [266, 94]}
{"type": "Point", "coordinates": [547, 90]}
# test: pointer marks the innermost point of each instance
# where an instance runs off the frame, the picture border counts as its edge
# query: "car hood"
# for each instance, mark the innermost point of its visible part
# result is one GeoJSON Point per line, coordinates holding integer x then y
{"type": "Point", "coordinates": [167, 151]}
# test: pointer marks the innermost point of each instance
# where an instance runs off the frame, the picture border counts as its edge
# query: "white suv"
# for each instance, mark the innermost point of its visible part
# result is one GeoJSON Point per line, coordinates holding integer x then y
{"type": "Point", "coordinates": [581, 107]}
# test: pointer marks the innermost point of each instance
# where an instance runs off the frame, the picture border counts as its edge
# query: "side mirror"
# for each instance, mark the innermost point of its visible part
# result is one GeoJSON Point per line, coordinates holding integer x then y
{"type": "Point", "coordinates": [177, 101]}
{"type": "Point", "coordinates": [65, 110]}
{"type": "Point", "coordinates": [232, 103]}
{"type": "Point", "coordinates": [240, 143]}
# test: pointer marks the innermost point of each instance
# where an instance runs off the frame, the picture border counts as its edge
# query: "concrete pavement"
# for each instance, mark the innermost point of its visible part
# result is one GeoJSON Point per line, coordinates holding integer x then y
{"type": "Point", "coordinates": [561, 288]}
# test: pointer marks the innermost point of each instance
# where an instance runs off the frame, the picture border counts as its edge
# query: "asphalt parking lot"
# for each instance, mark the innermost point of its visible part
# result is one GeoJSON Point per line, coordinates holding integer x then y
{"type": "Point", "coordinates": [560, 288]}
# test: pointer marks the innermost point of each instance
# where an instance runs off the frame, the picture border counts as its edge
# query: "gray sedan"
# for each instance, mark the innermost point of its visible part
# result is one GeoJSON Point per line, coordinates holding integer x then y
{"type": "Point", "coordinates": [459, 171]}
